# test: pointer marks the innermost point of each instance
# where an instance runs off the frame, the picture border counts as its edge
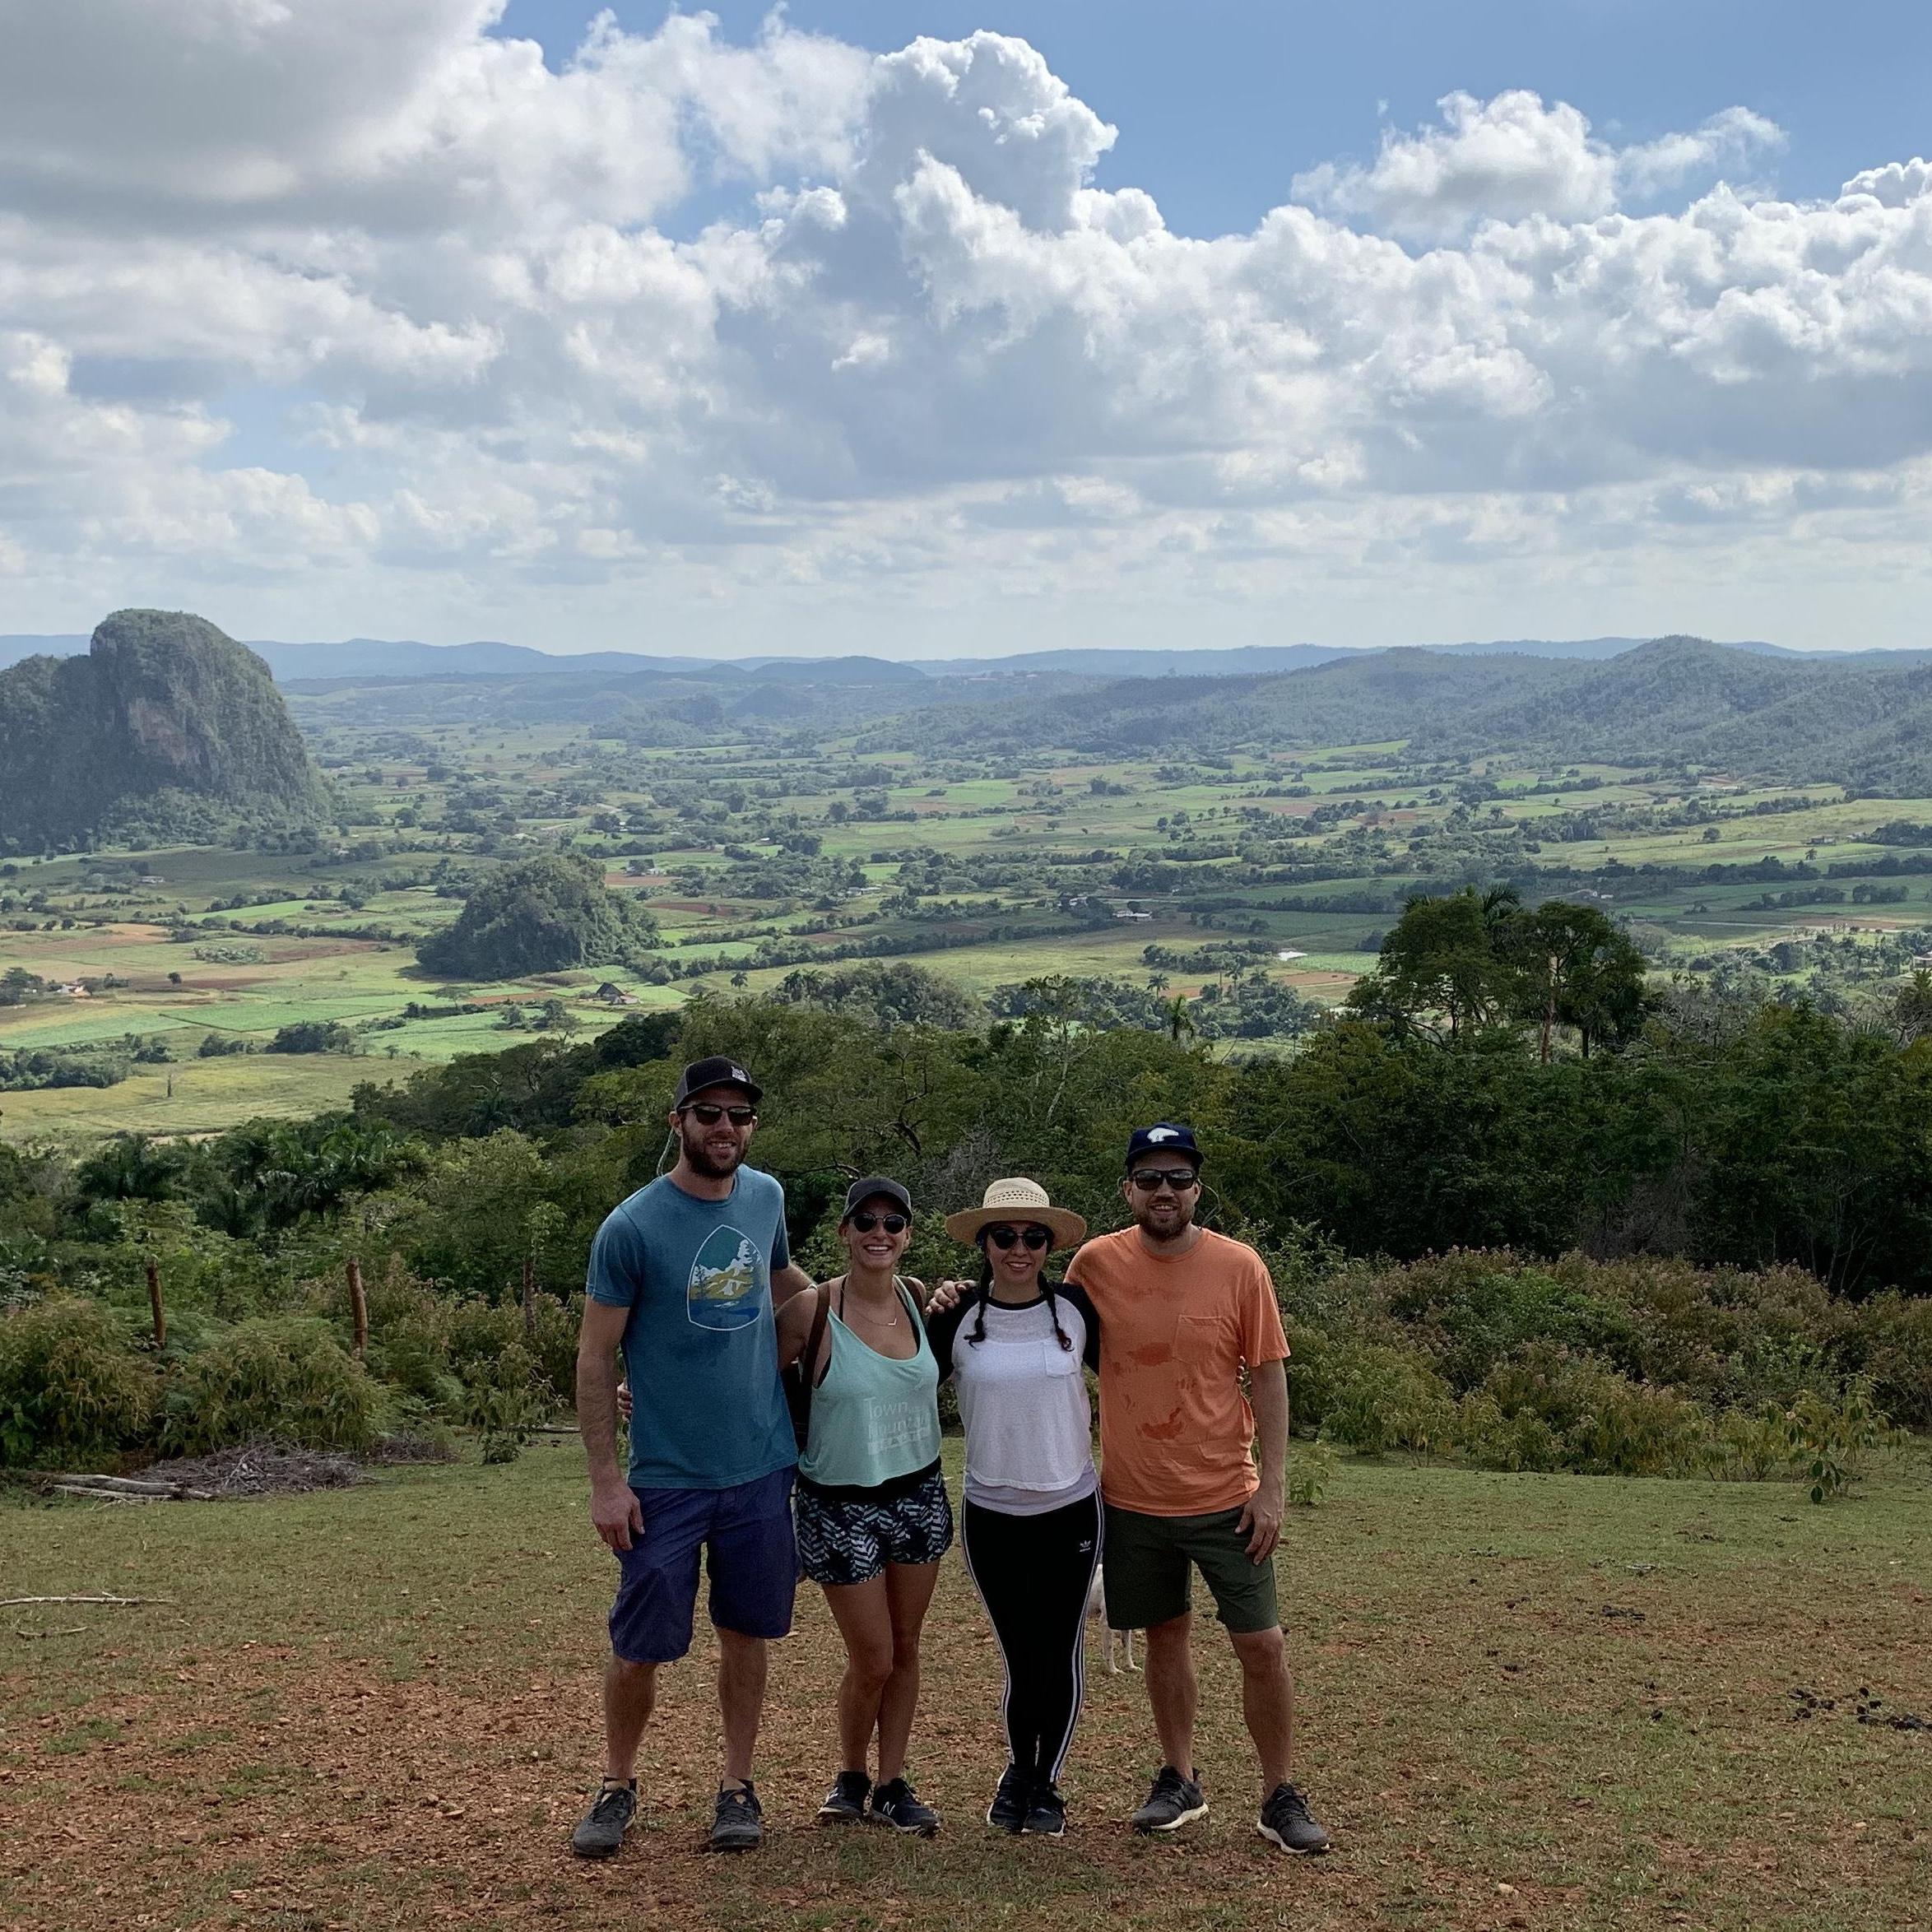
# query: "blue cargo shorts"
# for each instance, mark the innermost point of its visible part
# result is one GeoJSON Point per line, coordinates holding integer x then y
{"type": "Point", "coordinates": [745, 1536]}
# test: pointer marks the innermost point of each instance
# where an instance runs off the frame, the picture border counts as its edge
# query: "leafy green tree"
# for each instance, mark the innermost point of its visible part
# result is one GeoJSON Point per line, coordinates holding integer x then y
{"type": "Point", "coordinates": [1578, 969]}
{"type": "Point", "coordinates": [545, 914]}
{"type": "Point", "coordinates": [1442, 973]}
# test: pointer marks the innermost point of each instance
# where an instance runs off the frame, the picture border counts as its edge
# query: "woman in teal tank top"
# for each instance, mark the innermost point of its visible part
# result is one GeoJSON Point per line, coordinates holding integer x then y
{"type": "Point", "coordinates": [874, 1519]}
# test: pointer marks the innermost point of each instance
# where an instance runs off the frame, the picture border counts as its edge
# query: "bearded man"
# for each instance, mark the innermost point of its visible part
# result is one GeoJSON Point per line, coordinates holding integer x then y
{"type": "Point", "coordinates": [685, 1278]}
{"type": "Point", "coordinates": [1184, 1314]}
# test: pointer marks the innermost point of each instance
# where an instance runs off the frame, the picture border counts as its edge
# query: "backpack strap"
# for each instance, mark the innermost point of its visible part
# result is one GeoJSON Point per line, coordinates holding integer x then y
{"type": "Point", "coordinates": [809, 1361]}
{"type": "Point", "coordinates": [802, 1378]}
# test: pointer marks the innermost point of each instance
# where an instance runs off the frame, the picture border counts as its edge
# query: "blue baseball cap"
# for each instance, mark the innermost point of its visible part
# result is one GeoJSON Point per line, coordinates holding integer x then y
{"type": "Point", "coordinates": [1163, 1137]}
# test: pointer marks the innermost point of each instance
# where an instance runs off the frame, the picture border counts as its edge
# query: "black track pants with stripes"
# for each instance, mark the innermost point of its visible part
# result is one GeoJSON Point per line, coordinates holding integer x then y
{"type": "Point", "coordinates": [1033, 1574]}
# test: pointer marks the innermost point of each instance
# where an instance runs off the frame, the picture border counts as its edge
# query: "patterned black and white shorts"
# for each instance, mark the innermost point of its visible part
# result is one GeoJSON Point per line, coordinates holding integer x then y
{"type": "Point", "coordinates": [851, 1538]}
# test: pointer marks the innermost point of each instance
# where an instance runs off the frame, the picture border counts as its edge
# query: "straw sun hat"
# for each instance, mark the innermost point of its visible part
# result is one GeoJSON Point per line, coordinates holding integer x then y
{"type": "Point", "coordinates": [1020, 1201]}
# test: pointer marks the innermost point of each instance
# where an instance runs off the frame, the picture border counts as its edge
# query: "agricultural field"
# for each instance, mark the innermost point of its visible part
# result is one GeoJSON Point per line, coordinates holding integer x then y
{"type": "Point", "coordinates": [764, 859]}
{"type": "Point", "coordinates": [1533, 1702]}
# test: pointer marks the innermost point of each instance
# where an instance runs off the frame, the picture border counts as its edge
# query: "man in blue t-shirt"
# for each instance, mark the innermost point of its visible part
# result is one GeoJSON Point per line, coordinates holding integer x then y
{"type": "Point", "coordinates": [684, 1278]}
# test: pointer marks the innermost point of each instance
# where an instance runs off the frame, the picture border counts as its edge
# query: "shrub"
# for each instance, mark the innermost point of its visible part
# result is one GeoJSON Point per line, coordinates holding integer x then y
{"type": "Point", "coordinates": [1471, 1313]}
{"type": "Point", "coordinates": [502, 1402]}
{"type": "Point", "coordinates": [1368, 1396]}
{"type": "Point", "coordinates": [1831, 1442]}
{"type": "Point", "coordinates": [72, 1384]}
{"type": "Point", "coordinates": [287, 1380]}
{"type": "Point", "coordinates": [1894, 1339]}
{"type": "Point", "coordinates": [1309, 1466]}
{"type": "Point", "coordinates": [1545, 1408]}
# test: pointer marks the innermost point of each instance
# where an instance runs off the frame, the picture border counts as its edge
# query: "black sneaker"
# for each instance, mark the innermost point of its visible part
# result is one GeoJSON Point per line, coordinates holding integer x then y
{"type": "Point", "coordinates": [1284, 1820]}
{"type": "Point", "coordinates": [1045, 1812]}
{"type": "Point", "coordinates": [1173, 1802]}
{"type": "Point", "coordinates": [1007, 1813]}
{"type": "Point", "coordinates": [600, 1831]}
{"type": "Point", "coordinates": [896, 1805]}
{"type": "Point", "coordinates": [737, 1824]}
{"type": "Point", "coordinates": [846, 1801]}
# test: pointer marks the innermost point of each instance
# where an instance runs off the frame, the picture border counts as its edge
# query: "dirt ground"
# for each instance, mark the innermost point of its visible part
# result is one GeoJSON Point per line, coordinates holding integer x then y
{"type": "Point", "coordinates": [1524, 1703]}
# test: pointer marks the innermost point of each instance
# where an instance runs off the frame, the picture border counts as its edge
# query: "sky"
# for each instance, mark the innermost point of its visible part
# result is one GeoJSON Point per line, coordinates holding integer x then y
{"type": "Point", "coordinates": [927, 328]}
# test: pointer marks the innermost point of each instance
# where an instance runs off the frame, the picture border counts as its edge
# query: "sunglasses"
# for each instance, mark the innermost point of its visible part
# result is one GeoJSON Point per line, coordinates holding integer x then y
{"type": "Point", "coordinates": [707, 1114]}
{"type": "Point", "coordinates": [1149, 1180]}
{"type": "Point", "coordinates": [1003, 1238]}
{"type": "Point", "coordinates": [865, 1220]}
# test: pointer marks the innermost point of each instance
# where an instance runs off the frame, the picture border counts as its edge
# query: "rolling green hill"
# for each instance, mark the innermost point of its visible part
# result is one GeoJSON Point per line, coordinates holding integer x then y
{"type": "Point", "coordinates": [166, 729]}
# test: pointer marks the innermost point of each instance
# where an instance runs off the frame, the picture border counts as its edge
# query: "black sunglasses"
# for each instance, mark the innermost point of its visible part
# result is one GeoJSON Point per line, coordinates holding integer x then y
{"type": "Point", "coordinates": [1148, 1180]}
{"type": "Point", "coordinates": [865, 1220]}
{"type": "Point", "coordinates": [707, 1114]}
{"type": "Point", "coordinates": [1003, 1238]}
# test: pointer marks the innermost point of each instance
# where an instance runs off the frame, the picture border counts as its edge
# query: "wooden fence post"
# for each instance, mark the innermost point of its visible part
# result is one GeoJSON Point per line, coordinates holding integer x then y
{"type": "Point", "coordinates": [530, 1297]}
{"type": "Point", "coordinates": [154, 1302]}
{"type": "Point", "coordinates": [358, 1306]}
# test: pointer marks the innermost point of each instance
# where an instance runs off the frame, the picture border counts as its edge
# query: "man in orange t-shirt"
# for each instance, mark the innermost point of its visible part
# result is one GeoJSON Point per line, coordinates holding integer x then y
{"type": "Point", "coordinates": [1182, 1311]}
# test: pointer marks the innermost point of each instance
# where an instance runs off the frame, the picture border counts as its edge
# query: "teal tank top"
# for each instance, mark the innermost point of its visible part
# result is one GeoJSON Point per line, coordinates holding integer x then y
{"type": "Point", "coordinates": [873, 1419]}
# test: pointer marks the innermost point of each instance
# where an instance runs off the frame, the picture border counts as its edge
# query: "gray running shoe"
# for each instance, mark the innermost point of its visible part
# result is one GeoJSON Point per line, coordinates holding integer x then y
{"type": "Point", "coordinates": [1173, 1802]}
{"type": "Point", "coordinates": [895, 1804]}
{"type": "Point", "coordinates": [600, 1831]}
{"type": "Point", "coordinates": [1285, 1821]}
{"type": "Point", "coordinates": [737, 1824]}
{"type": "Point", "coordinates": [1045, 1812]}
{"type": "Point", "coordinates": [845, 1802]}
{"type": "Point", "coordinates": [1007, 1813]}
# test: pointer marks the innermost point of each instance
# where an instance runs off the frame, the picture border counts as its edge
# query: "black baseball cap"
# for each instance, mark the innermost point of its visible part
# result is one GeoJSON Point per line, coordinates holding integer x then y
{"type": "Point", "coordinates": [860, 1191]}
{"type": "Point", "coordinates": [1163, 1137]}
{"type": "Point", "coordinates": [716, 1071]}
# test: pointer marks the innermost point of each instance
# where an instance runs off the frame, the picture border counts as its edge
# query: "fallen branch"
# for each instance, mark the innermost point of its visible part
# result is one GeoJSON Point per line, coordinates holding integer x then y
{"type": "Point", "coordinates": [131, 1488]}
{"type": "Point", "coordinates": [15, 1602]}
{"type": "Point", "coordinates": [127, 1485]}
{"type": "Point", "coordinates": [88, 1494]}
{"type": "Point", "coordinates": [76, 1630]}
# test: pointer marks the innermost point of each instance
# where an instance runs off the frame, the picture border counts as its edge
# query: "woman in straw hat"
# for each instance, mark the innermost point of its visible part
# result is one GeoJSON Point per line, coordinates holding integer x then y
{"type": "Point", "coordinates": [1030, 1524]}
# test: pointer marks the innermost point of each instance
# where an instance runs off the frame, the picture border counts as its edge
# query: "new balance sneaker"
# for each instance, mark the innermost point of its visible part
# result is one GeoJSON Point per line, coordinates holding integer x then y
{"type": "Point", "coordinates": [1285, 1821]}
{"type": "Point", "coordinates": [1174, 1801]}
{"type": "Point", "coordinates": [600, 1831]}
{"type": "Point", "coordinates": [845, 1802]}
{"type": "Point", "coordinates": [1007, 1813]}
{"type": "Point", "coordinates": [895, 1804]}
{"type": "Point", "coordinates": [737, 1824]}
{"type": "Point", "coordinates": [1045, 1812]}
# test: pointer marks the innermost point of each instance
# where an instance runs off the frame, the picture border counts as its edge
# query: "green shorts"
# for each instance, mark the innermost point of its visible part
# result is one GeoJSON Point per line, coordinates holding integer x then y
{"type": "Point", "coordinates": [1147, 1570]}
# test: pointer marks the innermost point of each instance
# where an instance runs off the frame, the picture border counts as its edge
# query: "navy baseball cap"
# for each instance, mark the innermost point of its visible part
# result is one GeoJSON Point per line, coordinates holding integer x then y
{"type": "Point", "coordinates": [1163, 1137]}
{"type": "Point", "coordinates": [870, 1189]}
{"type": "Point", "coordinates": [716, 1071]}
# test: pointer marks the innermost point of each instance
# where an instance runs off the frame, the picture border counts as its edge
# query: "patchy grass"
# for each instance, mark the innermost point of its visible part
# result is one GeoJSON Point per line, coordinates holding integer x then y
{"type": "Point", "coordinates": [1525, 1701]}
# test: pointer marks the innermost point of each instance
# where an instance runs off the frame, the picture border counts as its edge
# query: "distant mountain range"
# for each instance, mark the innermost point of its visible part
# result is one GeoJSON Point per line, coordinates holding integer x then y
{"type": "Point", "coordinates": [367, 657]}
{"type": "Point", "coordinates": [1860, 718]}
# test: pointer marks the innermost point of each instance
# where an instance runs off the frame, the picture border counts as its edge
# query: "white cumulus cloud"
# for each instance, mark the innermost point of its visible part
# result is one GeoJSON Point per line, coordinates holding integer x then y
{"type": "Point", "coordinates": [362, 314]}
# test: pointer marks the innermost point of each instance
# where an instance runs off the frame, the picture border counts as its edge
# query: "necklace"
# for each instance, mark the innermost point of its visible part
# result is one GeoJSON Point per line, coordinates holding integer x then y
{"type": "Point", "coordinates": [888, 1320]}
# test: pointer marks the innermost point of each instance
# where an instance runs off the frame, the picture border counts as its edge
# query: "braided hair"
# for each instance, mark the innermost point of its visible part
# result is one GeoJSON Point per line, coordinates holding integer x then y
{"type": "Point", "coordinates": [984, 1294]}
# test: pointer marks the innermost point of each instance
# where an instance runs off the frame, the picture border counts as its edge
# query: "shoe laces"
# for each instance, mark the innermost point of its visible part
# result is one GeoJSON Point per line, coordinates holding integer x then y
{"type": "Point", "coordinates": [1287, 1798]}
{"type": "Point", "coordinates": [1168, 1779]}
{"type": "Point", "coordinates": [610, 1799]}
{"type": "Point", "coordinates": [744, 1797]}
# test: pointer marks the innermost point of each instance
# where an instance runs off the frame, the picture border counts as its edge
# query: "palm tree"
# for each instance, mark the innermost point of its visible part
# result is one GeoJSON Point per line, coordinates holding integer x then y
{"type": "Point", "coordinates": [1180, 1024]}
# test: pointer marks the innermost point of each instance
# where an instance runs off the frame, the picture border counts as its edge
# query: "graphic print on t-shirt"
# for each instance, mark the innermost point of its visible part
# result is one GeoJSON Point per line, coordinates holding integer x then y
{"type": "Point", "coordinates": [726, 1289]}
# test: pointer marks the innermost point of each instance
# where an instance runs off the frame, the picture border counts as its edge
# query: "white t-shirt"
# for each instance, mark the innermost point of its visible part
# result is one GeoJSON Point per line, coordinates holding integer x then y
{"type": "Point", "coordinates": [1023, 1398]}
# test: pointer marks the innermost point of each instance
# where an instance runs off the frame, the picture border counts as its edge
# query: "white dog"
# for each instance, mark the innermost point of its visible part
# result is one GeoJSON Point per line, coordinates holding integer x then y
{"type": "Point", "coordinates": [1097, 1613]}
